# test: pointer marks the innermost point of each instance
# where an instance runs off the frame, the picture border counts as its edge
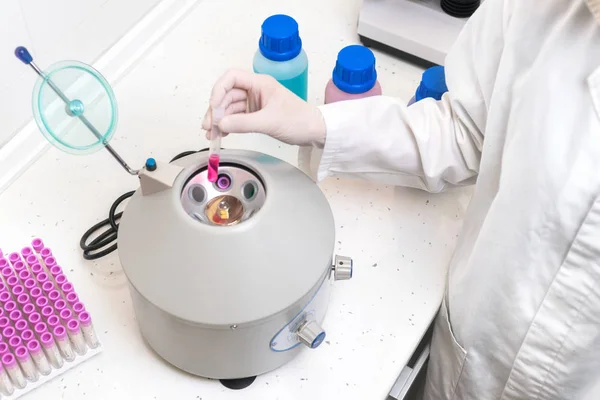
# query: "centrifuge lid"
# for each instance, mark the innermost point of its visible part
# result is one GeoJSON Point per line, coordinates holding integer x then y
{"type": "Point", "coordinates": [84, 99]}
{"type": "Point", "coordinates": [223, 275]}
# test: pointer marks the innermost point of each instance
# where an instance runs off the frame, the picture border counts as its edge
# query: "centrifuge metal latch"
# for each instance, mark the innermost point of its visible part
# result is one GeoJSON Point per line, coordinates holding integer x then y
{"type": "Point", "coordinates": [342, 268]}
{"type": "Point", "coordinates": [311, 334]}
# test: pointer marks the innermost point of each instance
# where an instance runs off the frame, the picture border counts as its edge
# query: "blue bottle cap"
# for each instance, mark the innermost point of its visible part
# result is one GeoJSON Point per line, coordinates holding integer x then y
{"type": "Point", "coordinates": [280, 38]}
{"type": "Point", "coordinates": [354, 70]}
{"type": "Point", "coordinates": [433, 84]}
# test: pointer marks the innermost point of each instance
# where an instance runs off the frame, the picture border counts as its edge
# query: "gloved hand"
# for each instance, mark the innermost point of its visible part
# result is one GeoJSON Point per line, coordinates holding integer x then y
{"type": "Point", "coordinates": [258, 103]}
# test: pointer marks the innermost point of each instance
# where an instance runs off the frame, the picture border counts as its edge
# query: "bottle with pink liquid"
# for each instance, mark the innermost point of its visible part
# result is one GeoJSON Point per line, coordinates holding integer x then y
{"type": "Point", "coordinates": [354, 77]}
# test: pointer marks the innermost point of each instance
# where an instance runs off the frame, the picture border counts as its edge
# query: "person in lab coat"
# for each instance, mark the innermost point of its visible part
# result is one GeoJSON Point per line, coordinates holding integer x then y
{"type": "Point", "coordinates": [520, 318]}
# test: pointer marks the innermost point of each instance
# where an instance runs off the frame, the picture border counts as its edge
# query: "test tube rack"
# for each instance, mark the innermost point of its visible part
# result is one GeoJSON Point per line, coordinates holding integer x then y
{"type": "Point", "coordinates": [45, 329]}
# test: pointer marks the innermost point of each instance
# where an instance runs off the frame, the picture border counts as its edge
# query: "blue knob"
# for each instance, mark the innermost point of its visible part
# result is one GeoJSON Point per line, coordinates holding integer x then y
{"type": "Point", "coordinates": [318, 340]}
{"type": "Point", "coordinates": [151, 164]}
{"type": "Point", "coordinates": [23, 54]}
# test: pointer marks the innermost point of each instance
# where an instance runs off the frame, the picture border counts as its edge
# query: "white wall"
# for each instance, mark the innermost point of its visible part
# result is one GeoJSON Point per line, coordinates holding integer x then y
{"type": "Point", "coordinates": [54, 30]}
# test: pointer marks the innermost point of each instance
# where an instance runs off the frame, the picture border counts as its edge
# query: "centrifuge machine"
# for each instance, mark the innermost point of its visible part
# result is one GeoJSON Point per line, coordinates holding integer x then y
{"type": "Point", "coordinates": [229, 279]}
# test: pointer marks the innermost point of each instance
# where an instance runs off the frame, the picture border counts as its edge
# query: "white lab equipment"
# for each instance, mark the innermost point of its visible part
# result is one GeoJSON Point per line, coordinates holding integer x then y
{"type": "Point", "coordinates": [419, 28]}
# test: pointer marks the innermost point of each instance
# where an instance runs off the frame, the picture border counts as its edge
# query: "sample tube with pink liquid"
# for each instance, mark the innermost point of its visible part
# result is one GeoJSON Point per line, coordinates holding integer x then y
{"type": "Point", "coordinates": [214, 151]}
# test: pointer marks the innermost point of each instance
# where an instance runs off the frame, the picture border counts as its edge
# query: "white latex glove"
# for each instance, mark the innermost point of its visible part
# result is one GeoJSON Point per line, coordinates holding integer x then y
{"type": "Point", "coordinates": [258, 103]}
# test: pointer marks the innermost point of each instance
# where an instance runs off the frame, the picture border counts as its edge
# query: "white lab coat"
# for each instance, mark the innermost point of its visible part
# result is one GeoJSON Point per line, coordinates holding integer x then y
{"type": "Point", "coordinates": [521, 315]}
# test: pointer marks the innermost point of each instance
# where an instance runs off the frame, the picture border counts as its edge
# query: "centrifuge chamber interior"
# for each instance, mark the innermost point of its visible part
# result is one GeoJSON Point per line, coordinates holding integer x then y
{"type": "Point", "coordinates": [229, 279]}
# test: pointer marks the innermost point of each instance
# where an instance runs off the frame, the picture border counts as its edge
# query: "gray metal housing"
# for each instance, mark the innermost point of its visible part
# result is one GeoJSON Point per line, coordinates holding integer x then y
{"type": "Point", "coordinates": [210, 298]}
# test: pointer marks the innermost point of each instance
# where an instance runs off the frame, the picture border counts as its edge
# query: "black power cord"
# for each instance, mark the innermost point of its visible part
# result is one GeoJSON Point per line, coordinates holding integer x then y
{"type": "Point", "coordinates": [105, 242]}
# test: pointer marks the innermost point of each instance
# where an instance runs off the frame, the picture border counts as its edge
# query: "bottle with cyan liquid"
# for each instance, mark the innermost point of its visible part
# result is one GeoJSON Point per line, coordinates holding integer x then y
{"type": "Point", "coordinates": [354, 77]}
{"type": "Point", "coordinates": [281, 56]}
{"type": "Point", "coordinates": [433, 84]}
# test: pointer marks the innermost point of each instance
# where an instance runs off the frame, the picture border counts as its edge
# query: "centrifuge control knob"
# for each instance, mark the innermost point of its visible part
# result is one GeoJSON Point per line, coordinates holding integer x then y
{"type": "Point", "coordinates": [342, 269]}
{"type": "Point", "coordinates": [311, 334]}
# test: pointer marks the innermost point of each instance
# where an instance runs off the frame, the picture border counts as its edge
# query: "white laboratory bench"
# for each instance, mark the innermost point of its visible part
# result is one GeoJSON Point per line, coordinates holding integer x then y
{"type": "Point", "coordinates": [400, 239]}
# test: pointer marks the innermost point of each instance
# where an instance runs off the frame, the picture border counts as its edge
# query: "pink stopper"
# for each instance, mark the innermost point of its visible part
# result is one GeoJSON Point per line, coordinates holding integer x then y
{"type": "Point", "coordinates": [41, 302]}
{"type": "Point", "coordinates": [35, 293]}
{"type": "Point", "coordinates": [42, 277]}
{"type": "Point", "coordinates": [67, 287]}
{"type": "Point", "coordinates": [66, 314]}
{"type": "Point", "coordinates": [7, 271]}
{"type": "Point", "coordinates": [10, 306]}
{"type": "Point", "coordinates": [18, 290]}
{"type": "Point", "coordinates": [3, 263]}
{"type": "Point", "coordinates": [85, 319]}
{"type": "Point", "coordinates": [16, 315]}
{"type": "Point", "coordinates": [37, 244]}
{"type": "Point", "coordinates": [28, 309]}
{"type": "Point", "coordinates": [55, 271]}
{"type": "Point", "coordinates": [21, 325]}
{"type": "Point", "coordinates": [31, 260]}
{"type": "Point", "coordinates": [8, 332]}
{"type": "Point", "coordinates": [22, 353]}
{"type": "Point", "coordinates": [5, 297]}
{"type": "Point", "coordinates": [60, 279]}
{"type": "Point", "coordinates": [60, 332]}
{"type": "Point", "coordinates": [30, 284]}
{"type": "Point", "coordinates": [47, 312]}
{"type": "Point", "coordinates": [4, 322]}
{"type": "Point", "coordinates": [60, 305]}
{"type": "Point", "coordinates": [19, 266]}
{"type": "Point", "coordinates": [77, 307]}
{"type": "Point", "coordinates": [50, 261]}
{"type": "Point", "coordinates": [26, 251]}
{"type": "Point", "coordinates": [23, 299]}
{"type": "Point", "coordinates": [9, 360]}
{"type": "Point", "coordinates": [15, 342]}
{"type": "Point", "coordinates": [2, 287]}
{"type": "Point", "coordinates": [24, 275]}
{"type": "Point", "coordinates": [12, 281]}
{"type": "Point", "coordinates": [45, 252]}
{"type": "Point", "coordinates": [14, 257]}
{"type": "Point", "coordinates": [73, 326]}
{"type": "Point", "coordinates": [34, 346]}
{"type": "Point", "coordinates": [54, 295]}
{"type": "Point", "coordinates": [72, 298]}
{"type": "Point", "coordinates": [4, 349]}
{"type": "Point", "coordinates": [53, 321]}
{"type": "Point", "coordinates": [36, 268]}
{"type": "Point", "coordinates": [47, 339]}
{"type": "Point", "coordinates": [34, 318]}
{"type": "Point", "coordinates": [40, 328]}
{"type": "Point", "coordinates": [27, 335]}
{"type": "Point", "coordinates": [48, 286]}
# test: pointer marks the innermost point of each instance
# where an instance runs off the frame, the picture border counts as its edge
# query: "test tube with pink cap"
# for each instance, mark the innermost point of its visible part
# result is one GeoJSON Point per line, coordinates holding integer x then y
{"type": "Point", "coordinates": [36, 269]}
{"type": "Point", "coordinates": [27, 365]}
{"type": "Point", "coordinates": [76, 336]}
{"type": "Point", "coordinates": [27, 335]}
{"type": "Point", "coordinates": [51, 350]}
{"type": "Point", "coordinates": [13, 370]}
{"type": "Point", "coordinates": [26, 252]}
{"type": "Point", "coordinates": [45, 253]}
{"type": "Point", "coordinates": [63, 343]}
{"type": "Point", "coordinates": [89, 334]}
{"type": "Point", "coordinates": [39, 358]}
{"type": "Point", "coordinates": [37, 244]}
{"type": "Point", "coordinates": [32, 260]}
{"type": "Point", "coordinates": [6, 386]}
{"type": "Point", "coordinates": [19, 267]}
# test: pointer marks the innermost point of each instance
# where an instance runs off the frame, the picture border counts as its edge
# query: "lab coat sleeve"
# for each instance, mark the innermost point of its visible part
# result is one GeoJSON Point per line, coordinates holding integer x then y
{"type": "Point", "coordinates": [430, 145]}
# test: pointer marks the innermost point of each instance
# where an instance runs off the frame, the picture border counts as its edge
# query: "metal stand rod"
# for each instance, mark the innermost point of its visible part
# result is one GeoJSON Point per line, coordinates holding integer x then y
{"type": "Point", "coordinates": [85, 121]}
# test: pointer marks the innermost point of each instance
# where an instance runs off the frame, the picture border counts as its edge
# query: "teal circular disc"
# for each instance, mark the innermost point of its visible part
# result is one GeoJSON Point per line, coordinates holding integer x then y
{"type": "Point", "coordinates": [75, 107]}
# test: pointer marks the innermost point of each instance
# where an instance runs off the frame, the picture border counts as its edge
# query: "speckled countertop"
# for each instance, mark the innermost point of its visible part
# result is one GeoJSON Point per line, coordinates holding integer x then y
{"type": "Point", "coordinates": [400, 239]}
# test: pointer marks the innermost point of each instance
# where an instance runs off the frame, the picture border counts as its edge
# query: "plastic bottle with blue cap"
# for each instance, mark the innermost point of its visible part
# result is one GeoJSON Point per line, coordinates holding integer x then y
{"type": "Point", "coordinates": [433, 84]}
{"type": "Point", "coordinates": [354, 77]}
{"type": "Point", "coordinates": [281, 56]}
